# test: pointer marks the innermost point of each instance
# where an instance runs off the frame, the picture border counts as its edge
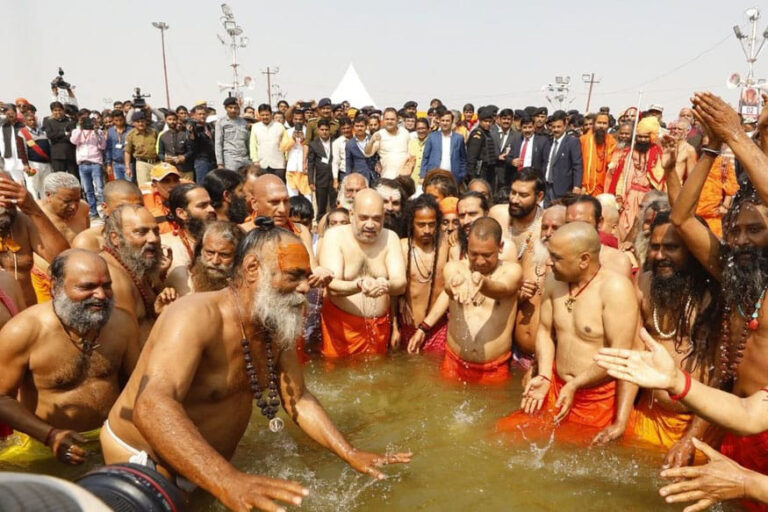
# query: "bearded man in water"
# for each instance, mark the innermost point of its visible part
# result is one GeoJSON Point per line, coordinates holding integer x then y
{"type": "Point", "coordinates": [190, 399]}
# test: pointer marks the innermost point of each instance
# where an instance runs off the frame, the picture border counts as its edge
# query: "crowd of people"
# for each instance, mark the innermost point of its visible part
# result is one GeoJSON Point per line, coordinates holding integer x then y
{"type": "Point", "coordinates": [159, 279]}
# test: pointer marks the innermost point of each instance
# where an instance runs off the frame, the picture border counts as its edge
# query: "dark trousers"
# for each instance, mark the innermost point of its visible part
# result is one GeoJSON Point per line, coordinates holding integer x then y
{"type": "Point", "coordinates": [549, 194]}
{"type": "Point", "coordinates": [280, 173]}
{"type": "Point", "coordinates": [325, 196]}
{"type": "Point", "coordinates": [202, 166]}
{"type": "Point", "coordinates": [65, 165]}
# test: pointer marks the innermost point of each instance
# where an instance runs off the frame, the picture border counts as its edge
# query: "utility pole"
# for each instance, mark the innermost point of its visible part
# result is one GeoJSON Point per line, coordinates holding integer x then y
{"type": "Point", "coordinates": [163, 26]}
{"type": "Point", "coordinates": [589, 78]}
{"type": "Point", "coordinates": [236, 40]}
{"type": "Point", "coordinates": [749, 99]}
{"type": "Point", "coordinates": [269, 72]}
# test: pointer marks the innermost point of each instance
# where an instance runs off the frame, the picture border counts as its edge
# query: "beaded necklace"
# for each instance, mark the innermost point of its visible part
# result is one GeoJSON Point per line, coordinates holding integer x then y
{"type": "Point", "coordinates": [268, 405]}
{"type": "Point", "coordinates": [424, 276]}
{"type": "Point", "coordinates": [149, 305]}
{"type": "Point", "coordinates": [573, 296]}
{"type": "Point", "coordinates": [667, 335]}
{"type": "Point", "coordinates": [731, 354]}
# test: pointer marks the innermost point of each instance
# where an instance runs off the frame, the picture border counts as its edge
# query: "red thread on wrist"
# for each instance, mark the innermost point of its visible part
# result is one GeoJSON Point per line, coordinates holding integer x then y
{"type": "Point", "coordinates": [545, 377]}
{"type": "Point", "coordinates": [424, 327]}
{"type": "Point", "coordinates": [686, 388]}
{"type": "Point", "coordinates": [48, 435]}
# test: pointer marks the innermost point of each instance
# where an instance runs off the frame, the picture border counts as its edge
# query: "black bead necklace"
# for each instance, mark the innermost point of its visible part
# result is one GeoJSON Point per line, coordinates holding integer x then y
{"type": "Point", "coordinates": [269, 405]}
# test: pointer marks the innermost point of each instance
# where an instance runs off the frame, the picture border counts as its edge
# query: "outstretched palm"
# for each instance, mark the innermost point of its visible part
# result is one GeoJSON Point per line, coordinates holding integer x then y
{"type": "Point", "coordinates": [653, 368]}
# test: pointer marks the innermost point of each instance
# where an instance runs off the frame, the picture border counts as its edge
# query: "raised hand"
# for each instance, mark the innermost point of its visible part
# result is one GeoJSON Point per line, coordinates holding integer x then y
{"type": "Point", "coordinates": [716, 115]}
{"type": "Point", "coordinates": [669, 152]}
{"type": "Point", "coordinates": [719, 479]}
{"type": "Point", "coordinates": [653, 368]}
{"type": "Point", "coordinates": [164, 298]}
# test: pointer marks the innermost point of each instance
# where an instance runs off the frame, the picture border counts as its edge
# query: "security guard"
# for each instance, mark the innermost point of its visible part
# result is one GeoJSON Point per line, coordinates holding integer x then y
{"type": "Point", "coordinates": [481, 148]}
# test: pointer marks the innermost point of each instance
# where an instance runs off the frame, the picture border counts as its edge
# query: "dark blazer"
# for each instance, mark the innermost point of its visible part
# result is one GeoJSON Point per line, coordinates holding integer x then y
{"type": "Point", "coordinates": [537, 145]}
{"type": "Point", "coordinates": [433, 154]}
{"type": "Point", "coordinates": [356, 161]}
{"type": "Point", "coordinates": [58, 132]}
{"type": "Point", "coordinates": [566, 166]}
{"type": "Point", "coordinates": [319, 172]}
{"type": "Point", "coordinates": [496, 134]}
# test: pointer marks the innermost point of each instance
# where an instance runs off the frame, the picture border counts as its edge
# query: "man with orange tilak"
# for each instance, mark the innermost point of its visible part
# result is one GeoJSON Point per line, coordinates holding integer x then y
{"type": "Point", "coordinates": [368, 268]}
{"type": "Point", "coordinates": [583, 309]}
{"type": "Point", "coordinates": [482, 294]}
{"type": "Point", "coordinates": [191, 397]}
{"type": "Point", "coordinates": [597, 147]}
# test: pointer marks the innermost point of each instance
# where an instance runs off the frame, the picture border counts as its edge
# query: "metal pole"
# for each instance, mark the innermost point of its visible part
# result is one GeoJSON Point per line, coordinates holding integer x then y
{"type": "Point", "coordinates": [589, 94]}
{"type": "Point", "coordinates": [165, 68]}
{"type": "Point", "coordinates": [269, 87]}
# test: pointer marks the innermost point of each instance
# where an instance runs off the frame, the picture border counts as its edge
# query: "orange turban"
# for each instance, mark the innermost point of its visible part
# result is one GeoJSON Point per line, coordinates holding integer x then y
{"type": "Point", "coordinates": [449, 206]}
{"type": "Point", "coordinates": [649, 126]}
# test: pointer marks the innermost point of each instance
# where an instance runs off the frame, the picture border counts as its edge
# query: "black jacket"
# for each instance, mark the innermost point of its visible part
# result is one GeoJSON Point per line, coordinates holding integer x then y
{"type": "Point", "coordinates": [319, 172]}
{"type": "Point", "coordinates": [58, 132]}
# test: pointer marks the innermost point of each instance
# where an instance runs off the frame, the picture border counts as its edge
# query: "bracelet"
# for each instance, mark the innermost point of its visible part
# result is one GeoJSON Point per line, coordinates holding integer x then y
{"type": "Point", "coordinates": [710, 151]}
{"type": "Point", "coordinates": [686, 388]}
{"type": "Point", "coordinates": [424, 327]}
{"type": "Point", "coordinates": [48, 435]}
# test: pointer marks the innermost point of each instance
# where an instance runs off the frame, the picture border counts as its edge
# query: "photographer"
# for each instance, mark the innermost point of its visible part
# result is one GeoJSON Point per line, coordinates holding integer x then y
{"type": "Point", "coordinates": [201, 138]}
{"type": "Point", "coordinates": [89, 144]}
{"type": "Point", "coordinates": [173, 146]}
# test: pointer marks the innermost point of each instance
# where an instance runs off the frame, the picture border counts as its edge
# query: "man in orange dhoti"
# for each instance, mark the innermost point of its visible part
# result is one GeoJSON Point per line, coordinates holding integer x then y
{"type": "Point", "coordinates": [368, 268]}
{"type": "Point", "coordinates": [597, 149]}
{"type": "Point", "coordinates": [718, 192]}
{"type": "Point", "coordinates": [482, 293]}
{"type": "Point", "coordinates": [584, 307]}
{"type": "Point", "coordinates": [638, 175]}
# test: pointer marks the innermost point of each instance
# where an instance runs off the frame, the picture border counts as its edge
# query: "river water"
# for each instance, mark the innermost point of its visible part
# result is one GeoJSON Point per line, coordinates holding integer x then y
{"type": "Point", "coordinates": [400, 403]}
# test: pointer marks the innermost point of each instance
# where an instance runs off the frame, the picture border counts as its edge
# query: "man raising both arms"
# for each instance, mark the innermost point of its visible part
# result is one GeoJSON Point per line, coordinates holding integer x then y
{"type": "Point", "coordinates": [584, 308]}
{"type": "Point", "coordinates": [483, 301]}
{"type": "Point", "coordinates": [190, 399]}
{"type": "Point", "coordinates": [368, 268]}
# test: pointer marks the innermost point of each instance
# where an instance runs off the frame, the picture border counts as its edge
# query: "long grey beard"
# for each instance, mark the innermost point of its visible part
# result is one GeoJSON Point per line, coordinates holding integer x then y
{"type": "Point", "coordinates": [76, 314]}
{"type": "Point", "coordinates": [132, 259]}
{"type": "Point", "coordinates": [282, 314]}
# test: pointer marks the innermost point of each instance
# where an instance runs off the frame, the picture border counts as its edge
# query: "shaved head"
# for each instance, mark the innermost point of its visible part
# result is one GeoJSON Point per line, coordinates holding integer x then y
{"type": "Point", "coordinates": [367, 217]}
{"type": "Point", "coordinates": [485, 228]}
{"type": "Point", "coordinates": [266, 182]}
{"type": "Point", "coordinates": [119, 192]}
{"type": "Point", "coordinates": [270, 199]}
{"type": "Point", "coordinates": [579, 237]}
{"type": "Point", "coordinates": [368, 199]}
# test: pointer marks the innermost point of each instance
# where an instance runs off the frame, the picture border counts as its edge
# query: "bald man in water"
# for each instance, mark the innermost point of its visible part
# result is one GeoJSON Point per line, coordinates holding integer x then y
{"type": "Point", "coordinates": [584, 308]}
{"type": "Point", "coordinates": [116, 192]}
{"type": "Point", "coordinates": [482, 291]}
{"type": "Point", "coordinates": [368, 268]}
{"type": "Point", "coordinates": [535, 270]}
{"type": "Point", "coordinates": [587, 209]}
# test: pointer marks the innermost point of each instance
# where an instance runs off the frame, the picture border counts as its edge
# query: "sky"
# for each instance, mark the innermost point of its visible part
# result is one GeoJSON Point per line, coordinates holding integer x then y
{"type": "Point", "coordinates": [485, 52]}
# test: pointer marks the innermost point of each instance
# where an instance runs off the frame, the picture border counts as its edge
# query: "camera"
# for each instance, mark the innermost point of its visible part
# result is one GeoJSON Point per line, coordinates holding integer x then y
{"type": "Point", "coordinates": [87, 123]}
{"type": "Point", "coordinates": [124, 487]}
{"type": "Point", "coordinates": [59, 81]}
{"type": "Point", "coordinates": [306, 105]}
{"type": "Point", "coordinates": [138, 99]}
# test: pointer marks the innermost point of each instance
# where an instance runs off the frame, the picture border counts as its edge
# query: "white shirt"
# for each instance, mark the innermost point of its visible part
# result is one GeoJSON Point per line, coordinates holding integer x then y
{"type": "Point", "coordinates": [265, 145]}
{"type": "Point", "coordinates": [445, 155]}
{"type": "Point", "coordinates": [528, 157]}
{"type": "Point", "coordinates": [393, 150]}
{"type": "Point", "coordinates": [295, 161]}
{"type": "Point", "coordinates": [339, 162]}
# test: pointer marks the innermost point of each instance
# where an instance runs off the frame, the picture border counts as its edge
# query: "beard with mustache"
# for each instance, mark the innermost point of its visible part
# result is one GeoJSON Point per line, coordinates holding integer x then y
{"type": "Point", "coordinates": [745, 275]}
{"type": "Point", "coordinates": [134, 258]}
{"type": "Point", "coordinates": [7, 217]}
{"type": "Point", "coordinates": [394, 221]}
{"type": "Point", "coordinates": [207, 277]}
{"type": "Point", "coordinates": [668, 293]}
{"type": "Point", "coordinates": [281, 314]}
{"type": "Point", "coordinates": [78, 315]}
{"type": "Point", "coordinates": [195, 227]}
{"type": "Point", "coordinates": [238, 210]}
{"type": "Point", "coordinates": [520, 211]}
{"type": "Point", "coordinates": [642, 147]}
{"type": "Point", "coordinates": [600, 137]}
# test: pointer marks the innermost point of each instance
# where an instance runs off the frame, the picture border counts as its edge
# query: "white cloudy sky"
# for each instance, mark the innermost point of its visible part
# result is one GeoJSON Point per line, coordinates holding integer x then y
{"type": "Point", "coordinates": [492, 51]}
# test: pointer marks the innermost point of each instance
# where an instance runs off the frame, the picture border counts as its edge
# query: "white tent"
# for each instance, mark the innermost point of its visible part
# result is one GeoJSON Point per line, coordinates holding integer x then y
{"type": "Point", "coordinates": [351, 89]}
